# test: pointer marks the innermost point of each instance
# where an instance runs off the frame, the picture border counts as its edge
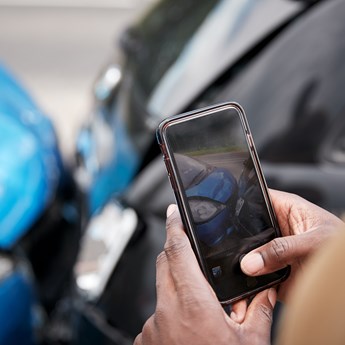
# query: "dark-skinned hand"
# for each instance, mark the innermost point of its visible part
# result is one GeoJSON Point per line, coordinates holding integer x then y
{"type": "Point", "coordinates": [305, 228]}
{"type": "Point", "coordinates": [188, 311]}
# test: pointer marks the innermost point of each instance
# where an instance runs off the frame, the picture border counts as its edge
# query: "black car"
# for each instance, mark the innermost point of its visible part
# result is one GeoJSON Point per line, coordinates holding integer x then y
{"type": "Point", "coordinates": [282, 60]}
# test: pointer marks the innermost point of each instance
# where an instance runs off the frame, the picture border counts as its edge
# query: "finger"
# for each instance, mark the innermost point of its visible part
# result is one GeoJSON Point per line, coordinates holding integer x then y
{"type": "Point", "coordinates": [183, 264]}
{"type": "Point", "coordinates": [260, 311]}
{"type": "Point", "coordinates": [238, 311]}
{"type": "Point", "coordinates": [149, 334]}
{"type": "Point", "coordinates": [279, 253]}
{"type": "Point", "coordinates": [297, 215]}
{"type": "Point", "coordinates": [164, 283]}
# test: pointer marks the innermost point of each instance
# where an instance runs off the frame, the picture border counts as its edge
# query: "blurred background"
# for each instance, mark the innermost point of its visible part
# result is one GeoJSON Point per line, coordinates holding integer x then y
{"type": "Point", "coordinates": [78, 242]}
{"type": "Point", "coordinates": [56, 48]}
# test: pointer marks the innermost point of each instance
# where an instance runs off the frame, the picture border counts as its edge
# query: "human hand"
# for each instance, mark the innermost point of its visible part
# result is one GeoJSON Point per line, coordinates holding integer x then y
{"type": "Point", "coordinates": [304, 226]}
{"type": "Point", "coordinates": [188, 311]}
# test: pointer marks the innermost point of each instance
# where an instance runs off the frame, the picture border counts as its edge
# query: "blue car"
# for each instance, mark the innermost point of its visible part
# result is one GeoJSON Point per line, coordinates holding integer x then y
{"type": "Point", "coordinates": [212, 194]}
{"type": "Point", "coordinates": [29, 177]}
{"type": "Point", "coordinates": [39, 231]}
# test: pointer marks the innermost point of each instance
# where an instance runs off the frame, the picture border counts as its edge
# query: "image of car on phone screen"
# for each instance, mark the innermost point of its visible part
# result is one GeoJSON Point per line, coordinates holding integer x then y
{"type": "Point", "coordinates": [226, 204]}
{"type": "Point", "coordinates": [211, 193]}
{"type": "Point", "coordinates": [224, 208]}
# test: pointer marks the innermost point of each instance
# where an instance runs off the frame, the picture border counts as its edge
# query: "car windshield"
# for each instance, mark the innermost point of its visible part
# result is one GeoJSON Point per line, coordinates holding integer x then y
{"type": "Point", "coordinates": [195, 64]}
{"type": "Point", "coordinates": [192, 171]}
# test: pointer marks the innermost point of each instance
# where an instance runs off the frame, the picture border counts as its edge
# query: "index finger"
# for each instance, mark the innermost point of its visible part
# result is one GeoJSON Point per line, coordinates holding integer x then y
{"type": "Point", "coordinates": [184, 267]}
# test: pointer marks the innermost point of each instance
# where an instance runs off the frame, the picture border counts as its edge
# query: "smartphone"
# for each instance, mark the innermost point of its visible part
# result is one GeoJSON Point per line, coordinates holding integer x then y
{"type": "Point", "coordinates": [222, 195]}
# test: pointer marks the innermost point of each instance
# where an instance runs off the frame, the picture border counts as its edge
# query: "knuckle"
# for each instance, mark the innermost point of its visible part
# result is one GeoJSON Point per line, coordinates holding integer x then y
{"type": "Point", "coordinates": [161, 258]}
{"type": "Point", "coordinates": [266, 313]}
{"type": "Point", "coordinates": [175, 246]}
{"type": "Point", "coordinates": [279, 248]}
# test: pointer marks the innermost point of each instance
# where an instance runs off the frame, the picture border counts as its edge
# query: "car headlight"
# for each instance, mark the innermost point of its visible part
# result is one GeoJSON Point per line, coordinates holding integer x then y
{"type": "Point", "coordinates": [204, 209]}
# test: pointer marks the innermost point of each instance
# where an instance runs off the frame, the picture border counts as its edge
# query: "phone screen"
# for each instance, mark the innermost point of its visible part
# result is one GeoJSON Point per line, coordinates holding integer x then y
{"type": "Point", "coordinates": [223, 197]}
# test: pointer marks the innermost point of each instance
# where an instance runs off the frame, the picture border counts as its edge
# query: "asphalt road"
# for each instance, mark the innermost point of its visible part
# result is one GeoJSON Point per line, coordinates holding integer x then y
{"type": "Point", "coordinates": [56, 48]}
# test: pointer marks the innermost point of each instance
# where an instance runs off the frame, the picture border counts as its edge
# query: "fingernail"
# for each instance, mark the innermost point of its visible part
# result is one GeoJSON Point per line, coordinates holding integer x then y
{"type": "Point", "coordinates": [272, 296]}
{"type": "Point", "coordinates": [171, 209]}
{"type": "Point", "coordinates": [252, 263]}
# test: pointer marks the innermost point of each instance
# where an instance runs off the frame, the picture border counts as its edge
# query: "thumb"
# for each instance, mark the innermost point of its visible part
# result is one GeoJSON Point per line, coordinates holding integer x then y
{"type": "Point", "coordinates": [260, 313]}
{"type": "Point", "coordinates": [277, 254]}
